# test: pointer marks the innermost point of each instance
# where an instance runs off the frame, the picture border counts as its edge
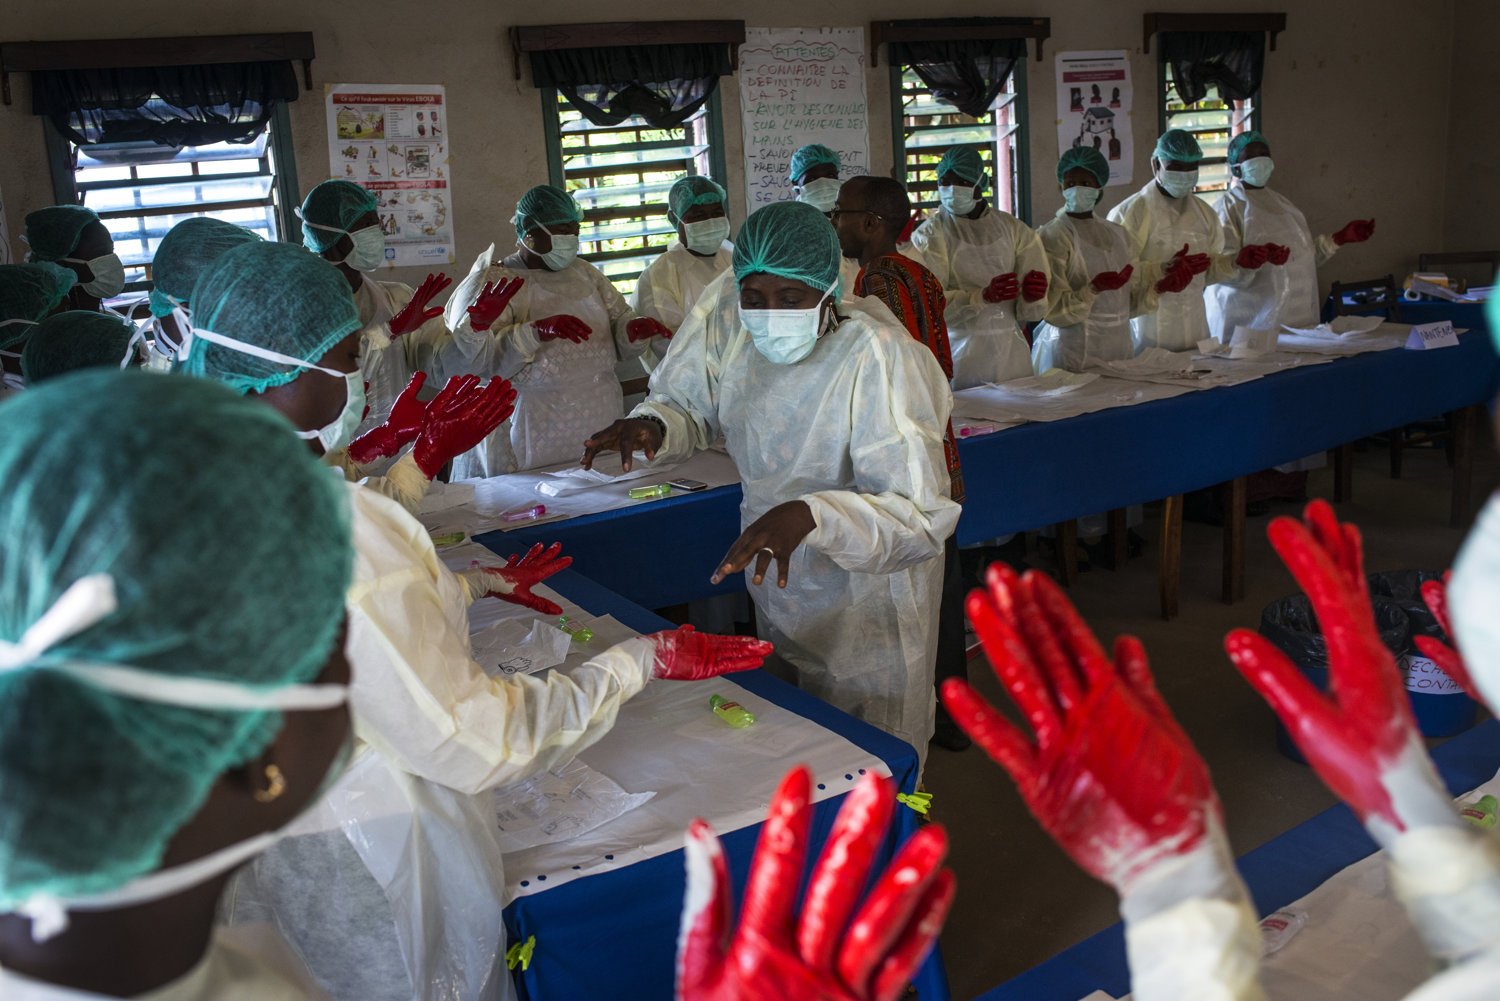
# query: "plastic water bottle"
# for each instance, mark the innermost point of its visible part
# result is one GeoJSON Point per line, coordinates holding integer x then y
{"type": "Point", "coordinates": [732, 713]}
{"type": "Point", "coordinates": [1279, 928]}
{"type": "Point", "coordinates": [1481, 814]}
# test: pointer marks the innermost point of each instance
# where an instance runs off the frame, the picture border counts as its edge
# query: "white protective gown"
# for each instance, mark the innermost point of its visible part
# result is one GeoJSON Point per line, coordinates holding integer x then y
{"type": "Point", "coordinates": [670, 286]}
{"type": "Point", "coordinates": [855, 430]}
{"type": "Point", "coordinates": [965, 255]}
{"type": "Point", "coordinates": [387, 364]}
{"type": "Point", "coordinates": [1084, 327]}
{"type": "Point", "coordinates": [1158, 226]}
{"type": "Point", "coordinates": [392, 887]}
{"type": "Point", "coordinates": [1268, 296]}
{"type": "Point", "coordinates": [564, 391]}
{"type": "Point", "coordinates": [403, 481]}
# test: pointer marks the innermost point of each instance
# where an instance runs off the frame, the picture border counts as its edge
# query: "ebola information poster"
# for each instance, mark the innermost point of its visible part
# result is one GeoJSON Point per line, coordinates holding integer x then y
{"type": "Point", "coordinates": [800, 86]}
{"type": "Point", "coordinates": [1093, 107]}
{"type": "Point", "coordinates": [393, 140]}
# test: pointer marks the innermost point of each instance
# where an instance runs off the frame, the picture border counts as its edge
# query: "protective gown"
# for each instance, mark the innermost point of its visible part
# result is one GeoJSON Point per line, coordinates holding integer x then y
{"type": "Point", "coordinates": [387, 364]}
{"type": "Point", "coordinates": [391, 888]}
{"type": "Point", "coordinates": [965, 255]}
{"type": "Point", "coordinates": [669, 288]}
{"type": "Point", "coordinates": [855, 430]}
{"type": "Point", "coordinates": [1158, 226]}
{"type": "Point", "coordinates": [564, 391]}
{"type": "Point", "coordinates": [1084, 327]}
{"type": "Point", "coordinates": [1268, 296]}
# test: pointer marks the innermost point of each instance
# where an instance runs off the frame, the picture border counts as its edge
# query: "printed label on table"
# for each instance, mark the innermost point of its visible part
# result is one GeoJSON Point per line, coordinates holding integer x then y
{"type": "Point", "coordinates": [1426, 336]}
{"type": "Point", "coordinates": [1426, 678]}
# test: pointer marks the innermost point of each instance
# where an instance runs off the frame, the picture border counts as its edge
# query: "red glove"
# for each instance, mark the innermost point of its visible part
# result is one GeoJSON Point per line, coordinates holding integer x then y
{"type": "Point", "coordinates": [1111, 776]}
{"type": "Point", "coordinates": [401, 427]}
{"type": "Point", "coordinates": [460, 417]}
{"type": "Point", "coordinates": [1357, 231]}
{"type": "Point", "coordinates": [1179, 276]}
{"type": "Point", "coordinates": [1435, 593]}
{"type": "Point", "coordinates": [568, 328]}
{"type": "Point", "coordinates": [1277, 254]}
{"type": "Point", "coordinates": [1034, 286]}
{"type": "Point", "coordinates": [1108, 281]}
{"type": "Point", "coordinates": [416, 312]}
{"type": "Point", "coordinates": [1251, 257]}
{"type": "Point", "coordinates": [645, 327]}
{"type": "Point", "coordinates": [684, 654]}
{"type": "Point", "coordinates": [774, 953]}
{"type": "Point", "coordinates": [514, 581]}
{"type": "Point", "coordinates": [1196, 263]}
{"type": "Point", "coordinates": [1002, 288]}
{"type": "Point", "coordinates": [493, 299]}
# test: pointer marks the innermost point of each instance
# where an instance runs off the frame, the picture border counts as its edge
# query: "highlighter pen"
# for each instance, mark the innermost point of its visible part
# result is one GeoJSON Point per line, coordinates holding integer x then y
{"type": "Point", "coordinates": [647, 493]}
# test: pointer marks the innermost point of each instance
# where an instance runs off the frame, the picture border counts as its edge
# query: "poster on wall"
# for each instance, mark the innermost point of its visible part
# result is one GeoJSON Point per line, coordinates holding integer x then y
{"type": "Point", "coordinates": [1093, 107]}
{"type": "Point", "coordinates": [800, 86]}
{"type": "Point", "coordinates": [393, 139]}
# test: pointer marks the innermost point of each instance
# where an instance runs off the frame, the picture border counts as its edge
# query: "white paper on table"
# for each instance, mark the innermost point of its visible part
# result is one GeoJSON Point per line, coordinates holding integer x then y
{"type": "Point", "coordinates": [1248, 342]}
{"type": "Point", "coordinates": [560, 805]}
{"type": "Point", "coordinates": [607, 469]}
{"type": "Point", "coordinates": [1152, 361]}
{"type": "Point", "coordinates": [519, 646]}
{"type": "Point", "coordinates": [999, 404]}
{"type": "Point", "coordinates": [441, 496]}
{"type": "Point", "coordinates": [1385, 337]}
{"type": "Point", "coordinates": [1053, 382]}
{"type": "Point", "coordinates": [1212, 347]}
{"type": "Point", "coordinates": [1339, 326]}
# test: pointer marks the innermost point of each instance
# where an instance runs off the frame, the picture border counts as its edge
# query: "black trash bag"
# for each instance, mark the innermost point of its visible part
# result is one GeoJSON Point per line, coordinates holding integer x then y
{"type": "Point", "coordinates": [1404, 588]}
{"type": "Point", "coordinates": [1290, 624]}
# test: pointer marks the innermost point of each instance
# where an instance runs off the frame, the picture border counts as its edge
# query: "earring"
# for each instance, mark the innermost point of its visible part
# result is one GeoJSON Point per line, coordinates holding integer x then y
{"type": "Point", "coordinates": [275, 786]}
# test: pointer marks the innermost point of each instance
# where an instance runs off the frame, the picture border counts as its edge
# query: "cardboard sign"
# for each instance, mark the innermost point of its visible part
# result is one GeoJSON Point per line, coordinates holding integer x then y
{"type": "Point", "coordinates": [1427, 336]}
{"type": "Point", "coordinates": [1423, 676]}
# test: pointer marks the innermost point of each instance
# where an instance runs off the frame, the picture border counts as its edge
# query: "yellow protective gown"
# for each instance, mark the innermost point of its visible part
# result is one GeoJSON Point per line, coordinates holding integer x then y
{"type": "Point", "coordinates": [1268, 296]}
{"type": "Point", "coordinates": [669, 288]}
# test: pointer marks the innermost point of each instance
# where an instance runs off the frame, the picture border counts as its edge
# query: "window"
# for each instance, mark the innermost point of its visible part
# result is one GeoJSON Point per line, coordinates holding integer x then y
{"type": "Point", "coordinates": [619, 176]}
{"type": "Point", "coordinates": [1213, 121]}
{"type": "Point", "coordinates": [924, 128]}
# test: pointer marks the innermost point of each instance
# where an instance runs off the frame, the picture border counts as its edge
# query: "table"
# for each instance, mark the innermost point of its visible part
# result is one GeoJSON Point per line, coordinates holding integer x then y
{"type": "Point", "coordinates": [1280, 871]}
{"type": "Point", "coordinates": [613, 935]}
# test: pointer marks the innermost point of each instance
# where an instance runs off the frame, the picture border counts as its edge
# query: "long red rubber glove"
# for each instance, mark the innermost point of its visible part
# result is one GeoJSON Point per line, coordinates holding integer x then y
{"type": "Point", "coordinates": [401, 427]}
{"type": "Point", "coordinates": [460, 417]}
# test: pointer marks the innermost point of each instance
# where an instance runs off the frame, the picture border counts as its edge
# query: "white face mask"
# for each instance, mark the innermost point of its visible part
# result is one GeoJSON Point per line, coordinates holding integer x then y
{"type": "Point", "coordinates": [1177, 183]}
{"type": "Point", "coordinates": [820, 194]}
{"type": "Point", "coordinates": [784, 336]}
{"type": "Point", "coordinates": [564, 249]}
{"type": "Point", "coordinates": [707, 236]}
{"type": "Point", "coordinates": [85, 603]}
{"type": "Point", "coordinates": [959, 201]}
{"type": "Point", "coordinates": [1256, 171]}
{"type": "Point", "coordinates": [1474, 599]}
{"type": "Point", "coordinates": [368, 250]}
{"type": "Point", "coordinates": [1081, 198]}
{"type": "Point", "coordinates": [340, 432]}
{"type": "Point", "coordinates": [108, 272]}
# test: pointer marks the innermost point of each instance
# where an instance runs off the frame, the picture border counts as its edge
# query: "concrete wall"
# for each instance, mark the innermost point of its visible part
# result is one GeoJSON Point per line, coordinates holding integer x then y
{"type": "Point", "coordinates": [1356, 98]}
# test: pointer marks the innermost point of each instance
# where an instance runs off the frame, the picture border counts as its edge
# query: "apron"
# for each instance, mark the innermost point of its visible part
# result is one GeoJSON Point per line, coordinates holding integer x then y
{"type": "Point", "coordinates": [1104, 336]}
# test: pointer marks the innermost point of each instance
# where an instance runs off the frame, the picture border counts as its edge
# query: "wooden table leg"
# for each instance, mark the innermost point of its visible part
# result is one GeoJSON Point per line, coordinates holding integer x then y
{"type": "Point", "coordinates": [1343, 473]}
{"type": "Point", "coordinates": [1169, 562]}
{"type": "Point", "coordinates": [1067, 552]}
{"type": "Point", "coordinates": [1464, 420]}
{"type": "Point", "coordinates": [1234, 540]}
{"type": "Point", "coordinates": [1119, 535]}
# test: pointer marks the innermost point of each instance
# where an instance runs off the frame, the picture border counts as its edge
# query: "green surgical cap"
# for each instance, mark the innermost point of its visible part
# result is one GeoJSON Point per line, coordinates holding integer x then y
{"type": "Point", "coordinates": [53, 232]}
{"type": "Point", "coordinates": [29, 292]}
{"type": "Point", "coordinates": [330, 210]}
{"type": "Point", "coordinates": [691, 190]}
{"type": "Point", "coordinates": [547, 206]}
{"type": "Point", "coordinates": [237, 572]}
{"type": "Point", "coordinates": [276, 296]}
{"type": "Point", "coordinates": [73, 340]}
{"type": "Point", "coordinates": [792, 240]}
{"type": "Point", "coordinates": [1086, 157]}
{"type": "Point", "coordinates": [1492, 314]}
{"type": "Point", "coordinates": [963, 161]}
{"type": "Point", "coordinates": [1175, 144]}
{"type": "Point", "coordinates": [188, 248]}
{"type": "Point", "coordinates": [808, 157]}
{"type": "Point", "coordinates": [1238, 143]}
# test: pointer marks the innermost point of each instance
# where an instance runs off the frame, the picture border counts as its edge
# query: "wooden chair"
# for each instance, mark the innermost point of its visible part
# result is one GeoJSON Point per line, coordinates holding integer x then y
{"type": "Point", "coordinates": [1374, 294]}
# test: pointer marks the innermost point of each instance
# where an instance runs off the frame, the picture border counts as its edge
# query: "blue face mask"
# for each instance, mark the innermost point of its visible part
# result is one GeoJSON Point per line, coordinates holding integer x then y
{"type": "Point", "coordinates": [1256, 171]}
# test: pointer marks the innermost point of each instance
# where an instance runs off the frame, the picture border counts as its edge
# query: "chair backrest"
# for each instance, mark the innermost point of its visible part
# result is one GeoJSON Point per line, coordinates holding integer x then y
{"type": "Point", "coordinates": [1375, 293]}
{"type": "Point", "coordinates": [1478, 266]}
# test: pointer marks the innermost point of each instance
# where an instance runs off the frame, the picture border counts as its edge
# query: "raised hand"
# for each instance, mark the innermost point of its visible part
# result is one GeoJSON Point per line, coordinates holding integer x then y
{"type": "Point", "coordinates": [1357, 231]}
{"type": "Point", "coordinates": [1196, 263]}
{"type": "Point", "coordinates": [562, 327]}
{"type": "Point", "coordinates": [460, 417]}
{"type": "Point", "coordinates": [493, 299]}
{"type": "Point", "coordinates": [1179, 275]}
{"type": "Point", "coordinates": [417, 312]}
{"type": "Point", "coordinates": [1448, 660]}
{"type": "Point", "coordinates": [401, 427]}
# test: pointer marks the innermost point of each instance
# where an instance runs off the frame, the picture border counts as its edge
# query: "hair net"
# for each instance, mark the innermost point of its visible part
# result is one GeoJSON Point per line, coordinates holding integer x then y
{"type": "Point", "coordinates": [545, 205]}
{"type": "Point", "coordinates": [271, 295]}
{"type": "Point", "coordinates": [52, 233]}
{"type": "Point", "coordinates": [1086, 157]}
{"type": "Point", "coordinates": [30, 292]}
{"type": "Point", "coordinates": [1175, 144]}
{"type": "Point", "coordinates": [790, 239]}
{"type": "Point", "coordinates": [237, 572]}
{"type": "Point", "coordinates": [188, 248]}
{"type": "Point", "coordinates": [808, 157]}
{"type": "Point", "coordinates": [694, 189]}
{"type": "Point", "coordinates": [75, 339]}
{"type": "Point", "coordinates": [1238, 143]}
{"type": "Point", "coordinates": [965, 162]}
{"type": "Point", "coordinates": [330, 207]}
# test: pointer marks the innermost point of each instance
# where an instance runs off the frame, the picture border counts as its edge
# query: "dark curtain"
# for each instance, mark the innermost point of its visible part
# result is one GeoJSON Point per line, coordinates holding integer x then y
{"type": "Point", "coordinates": [966, 73]}
{"type": "Point", "coordinates": [168, 105]}
{"type": "Point", "coordinates": [1199, 59]}
{"type": "Point", "coordinates": [663, 84]}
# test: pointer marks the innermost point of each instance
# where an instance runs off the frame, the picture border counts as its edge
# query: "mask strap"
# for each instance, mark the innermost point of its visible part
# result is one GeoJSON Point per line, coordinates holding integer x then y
{"type": "Point", "coordinates": [7, 323]}
{"type": "Point", "coordinates": [132, 350]}
{"type": "Point", "coordinates": [253, 350]}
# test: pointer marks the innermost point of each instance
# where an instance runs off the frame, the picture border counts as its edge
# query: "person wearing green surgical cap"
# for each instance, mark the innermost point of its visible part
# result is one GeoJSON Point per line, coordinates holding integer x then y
{"type": "Point", "coordinates": [188, 248]}
{"type": "Point", "coordinates": [174, 686]}
{"type": "Point", "coordinates": [80, 339]}
{"type": "Point", "coordinates": [993, 270]}
{"type": "Point", "coordinates": [73, 236]}
{"type": "Point", "coordinates": [400, 329]}
{"type": "Point", "coordinates": [814, 172]}
{"type": "Point", "coordinates": [557, 331]}
{"type": "Point", "coordinates": [671, 284]}
{"type": "Point", "coordinates": [834, 416]}
{"type": "Point", "coordinates": [28, 292]}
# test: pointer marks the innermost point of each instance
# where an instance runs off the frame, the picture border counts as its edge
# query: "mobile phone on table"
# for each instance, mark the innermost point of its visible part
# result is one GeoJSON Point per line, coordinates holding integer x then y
{"type": "Point", "coordinates": [688, 484]}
